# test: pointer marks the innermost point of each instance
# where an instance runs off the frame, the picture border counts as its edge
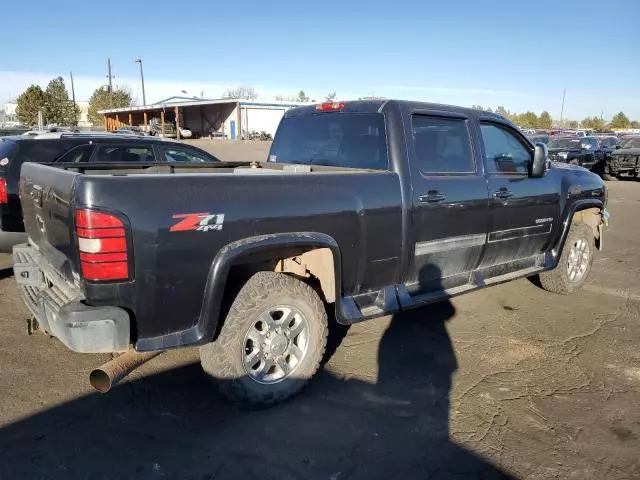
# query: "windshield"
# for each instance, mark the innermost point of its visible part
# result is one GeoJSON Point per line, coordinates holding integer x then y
{"type": "Point", "coordinates": [565, 143]}
{"type": "Point", "coordinates": [630, 143]}
{"type": "Point", "coordinates": [354, 140]}
{"type": "Point", "coordinates": [8, 150]}
{"type": "Point", "coordinates": [609, 141]}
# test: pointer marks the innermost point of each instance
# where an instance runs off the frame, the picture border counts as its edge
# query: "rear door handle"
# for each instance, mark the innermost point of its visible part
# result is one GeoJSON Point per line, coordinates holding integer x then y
{"type": "Point", "coordinates": [503, 193]}
{"type": "Point", "coordinates": [432, 197]}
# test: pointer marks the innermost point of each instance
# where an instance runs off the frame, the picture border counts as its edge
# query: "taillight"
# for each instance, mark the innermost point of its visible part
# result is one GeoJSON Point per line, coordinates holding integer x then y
{"type": "Point", "coordinates": [4, 194]}
{"type": "Point", "coordinates": [103, 246]}
{"type": "Point", "coordinates": [329, 106]}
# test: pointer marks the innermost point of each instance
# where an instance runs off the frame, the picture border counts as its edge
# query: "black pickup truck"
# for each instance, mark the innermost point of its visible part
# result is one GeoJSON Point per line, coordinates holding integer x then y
{"type": "Point", "coordinates": [583, 151]}
{"type": "Point", "coordinates": [362, 209]}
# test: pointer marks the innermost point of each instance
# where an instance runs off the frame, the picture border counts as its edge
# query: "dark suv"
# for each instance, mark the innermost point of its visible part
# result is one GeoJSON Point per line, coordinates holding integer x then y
{"type": "Point", "coordinates": [75, 150]}
{"type": "Point", "coordinates": [583, 151]}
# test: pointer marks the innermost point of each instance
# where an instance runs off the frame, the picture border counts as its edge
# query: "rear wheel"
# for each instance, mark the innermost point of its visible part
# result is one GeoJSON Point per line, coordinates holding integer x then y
{"type": "Point", "coordinates": [271, 343]}
{"type": "Point", "coordinates": [575, 262]}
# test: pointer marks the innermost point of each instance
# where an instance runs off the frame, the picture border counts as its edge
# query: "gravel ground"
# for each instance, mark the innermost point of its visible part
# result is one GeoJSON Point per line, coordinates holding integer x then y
{"type": "Point", "coordinates": [508, 381]}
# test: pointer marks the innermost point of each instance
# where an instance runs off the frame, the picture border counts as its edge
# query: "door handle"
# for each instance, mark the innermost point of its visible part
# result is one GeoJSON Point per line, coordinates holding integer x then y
{"type": "Point", "coordinates": [432, 197]}
{"type": "Point", "coordinates": [503, 193]}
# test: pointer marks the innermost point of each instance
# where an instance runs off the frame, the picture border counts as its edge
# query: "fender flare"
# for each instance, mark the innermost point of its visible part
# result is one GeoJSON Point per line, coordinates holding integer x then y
{"type": "Point", "coordinates": [209, 319]}
{"type": "Point", "coordinates": [230, 254]}
{"type": "Point", "coordinates": [576, 206]}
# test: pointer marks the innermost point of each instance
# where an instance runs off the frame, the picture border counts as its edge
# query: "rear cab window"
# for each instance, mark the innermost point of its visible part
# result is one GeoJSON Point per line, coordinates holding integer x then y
{"type": "Point", "coordinates": [341, 139]}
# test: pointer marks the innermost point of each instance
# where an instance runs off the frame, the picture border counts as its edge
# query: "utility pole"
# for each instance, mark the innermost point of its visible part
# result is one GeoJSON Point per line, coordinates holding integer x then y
{"type": "Point", "coordinates": [110, 77]}
{"type": "Point", "coordinates": [75, 105]}
{"type": "Point", "coordinates": [144, 98]}
{"type": "Point", "coordinates": [564, 92]}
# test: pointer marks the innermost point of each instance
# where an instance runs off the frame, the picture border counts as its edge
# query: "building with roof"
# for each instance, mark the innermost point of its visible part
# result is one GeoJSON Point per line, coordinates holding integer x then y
{"type": "Point", "coordinates": [223, 117]}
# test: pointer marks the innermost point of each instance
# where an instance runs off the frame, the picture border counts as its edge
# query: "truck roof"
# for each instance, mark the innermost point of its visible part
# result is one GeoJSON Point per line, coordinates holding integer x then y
{"type": "Point", "coordinates": [379, 105]}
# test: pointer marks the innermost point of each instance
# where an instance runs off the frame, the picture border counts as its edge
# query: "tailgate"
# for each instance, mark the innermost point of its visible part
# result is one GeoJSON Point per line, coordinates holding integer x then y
{"type": "Point", "coordinates": [46, 194]}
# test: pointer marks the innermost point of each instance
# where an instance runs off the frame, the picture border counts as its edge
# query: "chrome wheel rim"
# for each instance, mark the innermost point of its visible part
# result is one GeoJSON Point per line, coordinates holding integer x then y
{"type": "Point", "coordinates": [275, 344]}
{"type": "Point", "coordinates": [578, 260]}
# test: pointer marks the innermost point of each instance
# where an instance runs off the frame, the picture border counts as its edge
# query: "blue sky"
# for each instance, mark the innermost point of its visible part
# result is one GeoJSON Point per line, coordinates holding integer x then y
{"type": "Point", "coordinates": [512, 53]}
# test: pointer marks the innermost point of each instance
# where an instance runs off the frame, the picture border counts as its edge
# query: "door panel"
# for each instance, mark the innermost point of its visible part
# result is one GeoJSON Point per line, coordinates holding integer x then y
{"type": "Point", "coordinates": [524, 211]}
{"type": "Point", "coordinates": [450, 205]}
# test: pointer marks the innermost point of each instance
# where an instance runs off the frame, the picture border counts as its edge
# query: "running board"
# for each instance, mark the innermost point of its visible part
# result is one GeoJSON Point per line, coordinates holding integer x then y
{"type": "Point", "coordinates": [395, 298]}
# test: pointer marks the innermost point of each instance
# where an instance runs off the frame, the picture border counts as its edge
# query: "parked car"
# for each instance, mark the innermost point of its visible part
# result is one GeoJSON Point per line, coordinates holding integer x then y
{"type": "Point", "coordinates": [365, 208]}
{"type": "Point", "coordinates": [624, 160]}
{"type": "Point", "coordinates": [539, 138]}
{"type": "Point", "coordinates": [607, 144]}
{"type": "Point", "coordinates": [78, 150]}
{"type": "Point", "coordinates": [133, 130]}
{"type": "Point", "coordinates": [582, 151]}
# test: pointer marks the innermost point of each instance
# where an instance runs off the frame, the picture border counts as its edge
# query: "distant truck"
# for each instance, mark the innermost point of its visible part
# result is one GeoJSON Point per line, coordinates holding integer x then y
{"type": "Point", "coordinates": [363, 209]}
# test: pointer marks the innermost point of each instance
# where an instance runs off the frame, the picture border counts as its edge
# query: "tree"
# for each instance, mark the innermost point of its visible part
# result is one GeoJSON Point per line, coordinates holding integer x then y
{"type": "Point", "coordinates": [506, 113]}
{"type": "Point", "coordinates": [302, 97]}
{"type": "Point", "coordinates": [594, 123]}
{"type": "Point", "coordinates": [620, 120]}
{"type": "Point", "coordinates": [477, 107]}
{"type": "Point", "coordinates": [635, 124]}
{"type": "Point", "coordinates": [544, 121]}
{"type": "Point", "coordinates": [101, 99]}
{"type": "Point", "coordinates": [241, 92]}
{"type": "Point", "coordinates": [572, 123]}
{"type": "Point", "coordinates": [330, 97]}
{"type": "Point", "coordinates": [527, 120]}
{"type": "Point", "coordinates": [29, 104]}
{"type": "Point", "coordinates": [58, 109]}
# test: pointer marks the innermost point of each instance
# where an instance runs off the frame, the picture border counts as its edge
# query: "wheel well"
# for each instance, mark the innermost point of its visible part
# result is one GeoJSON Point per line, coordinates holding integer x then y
{"type": "Point", "coordinates": [314, 266]}
{"type": "Point", "coordinates": [591, 217]}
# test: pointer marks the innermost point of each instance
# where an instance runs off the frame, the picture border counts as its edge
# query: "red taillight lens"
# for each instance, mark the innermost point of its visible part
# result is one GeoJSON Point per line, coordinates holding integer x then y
{"type": "Point", "coordinates": [4, 194]}
{"type": "Point", "coordinates": [103, 246]}
{"type": "Point", "coordinates": [329, 106]}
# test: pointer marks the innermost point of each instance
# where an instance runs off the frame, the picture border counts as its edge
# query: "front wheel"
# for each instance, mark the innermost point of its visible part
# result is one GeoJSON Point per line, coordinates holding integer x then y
{"type": "Point", "coordinates": [575, 262]}
{"type": "Point", "coordinates": [271, 343]}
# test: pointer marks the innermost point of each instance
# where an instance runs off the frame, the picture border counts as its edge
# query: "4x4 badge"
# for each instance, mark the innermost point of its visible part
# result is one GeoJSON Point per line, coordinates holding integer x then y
{"type": "Point", "coordinates": [198, 222]}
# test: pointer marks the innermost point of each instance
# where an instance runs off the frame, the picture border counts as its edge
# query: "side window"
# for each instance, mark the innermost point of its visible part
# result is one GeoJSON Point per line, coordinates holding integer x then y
{"type": "Point", "coordinates": [441, 145]}
{"type": "Point", "coordinates": [123, 154]}
{"type": "Point", "coordinates": [76, 155]}
{"type": "Point", "coordinates": [504, 151]}
{"type": "Point", "coordinates": [181, 155]}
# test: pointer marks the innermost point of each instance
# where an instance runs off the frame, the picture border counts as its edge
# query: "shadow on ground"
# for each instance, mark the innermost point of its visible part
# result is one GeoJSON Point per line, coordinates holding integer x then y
{"type": "Point", "coordinates": [175, 425]}
{"type": "Point", "coordinates": [6, 273]}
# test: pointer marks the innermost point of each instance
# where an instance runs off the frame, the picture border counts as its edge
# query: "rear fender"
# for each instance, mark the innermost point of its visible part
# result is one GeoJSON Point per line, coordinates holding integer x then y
{"type": "Point", "coordinates": [274, 246]}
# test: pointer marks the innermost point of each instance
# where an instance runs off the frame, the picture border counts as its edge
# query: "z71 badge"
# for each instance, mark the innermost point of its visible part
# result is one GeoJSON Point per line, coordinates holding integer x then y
{"type": "Point", "coordinates": [198, 222]}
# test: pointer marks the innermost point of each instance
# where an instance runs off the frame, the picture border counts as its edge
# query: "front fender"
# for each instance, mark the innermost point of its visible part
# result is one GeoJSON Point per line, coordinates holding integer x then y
{"type": "Point", "coordinates": [568, 214]}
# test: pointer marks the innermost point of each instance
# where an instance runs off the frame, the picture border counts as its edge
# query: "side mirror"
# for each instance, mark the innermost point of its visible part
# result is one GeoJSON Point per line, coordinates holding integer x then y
{"type": "Point", "coordinates": [617, 147]}
{"type": "Point", "coordinates": [539, 164]}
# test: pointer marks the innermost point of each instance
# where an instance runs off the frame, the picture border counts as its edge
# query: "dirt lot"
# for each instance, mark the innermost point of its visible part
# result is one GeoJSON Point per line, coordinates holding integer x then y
{"type": "Point", "coordinates": [506, 381]}
{"type": "Point", "coordinates": [234, 151]}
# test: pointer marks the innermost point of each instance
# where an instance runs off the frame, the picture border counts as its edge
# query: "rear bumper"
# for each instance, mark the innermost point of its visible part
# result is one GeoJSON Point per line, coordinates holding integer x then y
{"type": "Point", "coordinates": [59, 308]}
{"type": "Point", "coordinates": [9, 239]}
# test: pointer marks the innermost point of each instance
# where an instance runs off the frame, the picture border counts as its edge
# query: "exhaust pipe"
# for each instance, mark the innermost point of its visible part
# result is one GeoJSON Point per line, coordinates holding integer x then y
{"type": "Point", "coordinates": [107, 376]}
